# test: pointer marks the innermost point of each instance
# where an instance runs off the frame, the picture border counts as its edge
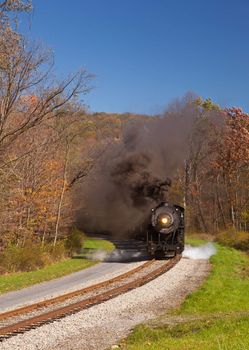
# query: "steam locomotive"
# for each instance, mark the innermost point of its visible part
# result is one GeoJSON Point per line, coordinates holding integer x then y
{"type": "Point", "coordinates": [165, 231]}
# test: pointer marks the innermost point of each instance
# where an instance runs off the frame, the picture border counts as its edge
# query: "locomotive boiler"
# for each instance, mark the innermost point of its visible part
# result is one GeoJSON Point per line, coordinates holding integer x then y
{"type": "Point", "coordinates": [165, 231]}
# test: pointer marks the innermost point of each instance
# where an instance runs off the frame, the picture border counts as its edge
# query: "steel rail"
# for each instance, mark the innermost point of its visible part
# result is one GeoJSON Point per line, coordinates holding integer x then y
{"type": "Point", "coordinates": [82, 291]}
{"type": "Point", "coordinates": [50, 316]}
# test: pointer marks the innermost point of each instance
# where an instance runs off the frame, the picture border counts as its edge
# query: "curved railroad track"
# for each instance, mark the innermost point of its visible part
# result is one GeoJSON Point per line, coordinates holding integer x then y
{"type": "Point", "coordinates": [32, 316]}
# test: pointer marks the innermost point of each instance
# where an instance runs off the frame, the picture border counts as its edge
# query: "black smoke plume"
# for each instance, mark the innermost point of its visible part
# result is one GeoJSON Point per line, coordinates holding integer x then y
{"type": "Point", "coordinates": [131, 176]}
{"type": "Point", "coordinates": [135, 174]}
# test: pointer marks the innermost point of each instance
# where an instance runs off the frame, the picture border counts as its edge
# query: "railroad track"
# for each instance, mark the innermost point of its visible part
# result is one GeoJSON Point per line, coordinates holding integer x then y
{"type": "Point", "coordinates": [32, 316]}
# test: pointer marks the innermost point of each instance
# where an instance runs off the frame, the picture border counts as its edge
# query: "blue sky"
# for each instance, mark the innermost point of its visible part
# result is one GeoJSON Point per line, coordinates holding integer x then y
{"type": "Point", "coordinates": [145, 53]}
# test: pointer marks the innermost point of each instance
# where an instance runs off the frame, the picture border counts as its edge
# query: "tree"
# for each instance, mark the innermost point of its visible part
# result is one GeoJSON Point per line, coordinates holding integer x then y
{"type": "Point", "coordinates": [15, 5]}
{"type": "Point", "coordinates": [34, 148]}
{"type": "Point", "coordinates": [22, 79]}
{"type": "Point", "coordinates": [231, 165]}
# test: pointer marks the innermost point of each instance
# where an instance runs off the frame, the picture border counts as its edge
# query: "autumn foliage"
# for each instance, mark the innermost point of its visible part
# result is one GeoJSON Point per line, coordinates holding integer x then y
{"type": "Point", "coordinates": [215, 180]}
{"type": "Point", "coordinates": [49, 144]}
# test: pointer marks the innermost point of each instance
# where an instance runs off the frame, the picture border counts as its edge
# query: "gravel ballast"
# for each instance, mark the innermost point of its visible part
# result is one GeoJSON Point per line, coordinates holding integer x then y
{"type": "Point", "coordinates": [103, 325]}
{"type": "Point", "coordinates": [75, 281]}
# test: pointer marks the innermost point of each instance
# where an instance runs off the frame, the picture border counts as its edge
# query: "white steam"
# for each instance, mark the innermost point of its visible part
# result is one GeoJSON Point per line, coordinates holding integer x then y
{"type": "Point", "coordinates": [98, 255]}
{"type": "Point", "coordinates": [125, 255]}
{"type": "Point", "coordinates": [204, 251]}
{"type": "Point", "coordinates": [118, 255]}
{"type": "Point", "coordinates": [201, 252]}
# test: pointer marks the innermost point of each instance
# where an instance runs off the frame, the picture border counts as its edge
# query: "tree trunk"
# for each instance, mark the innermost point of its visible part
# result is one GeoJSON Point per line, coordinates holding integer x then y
{"type": "Point", "coordinates": [63, 189]}
{"type": "Point", "coordinates": [220, 207]}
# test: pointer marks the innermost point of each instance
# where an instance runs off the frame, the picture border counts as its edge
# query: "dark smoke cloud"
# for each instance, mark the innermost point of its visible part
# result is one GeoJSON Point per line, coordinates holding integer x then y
{"type": "Point", "coordinates": [132, 178]}
{"type": "Point", "coordinates": [135, 174]}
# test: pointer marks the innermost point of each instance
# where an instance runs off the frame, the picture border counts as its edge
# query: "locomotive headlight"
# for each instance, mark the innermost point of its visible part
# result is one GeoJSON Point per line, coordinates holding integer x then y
{"type": "Point", "coordinates": [164, 220]}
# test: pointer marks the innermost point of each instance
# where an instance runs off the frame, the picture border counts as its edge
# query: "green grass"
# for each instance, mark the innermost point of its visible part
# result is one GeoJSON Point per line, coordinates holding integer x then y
{"type": "Point", "coordinates": [195, 241]}
{"type": "Point", "coordinates": [205, 335]}
{"type": "Point", "coordinates": [216, 316]}
{"type": "Point", "coordinates": [15, 281]}
{"type": "Point", "coordinates": [94, 243]}
{"type": "Point", "coordinates": [227, 287]}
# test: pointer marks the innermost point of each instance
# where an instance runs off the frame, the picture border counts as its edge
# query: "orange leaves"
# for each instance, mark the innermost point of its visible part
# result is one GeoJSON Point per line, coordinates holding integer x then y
{"type": "Point", "coordinates": [28, 102]}
{"type": "Point", "coordinates": [52, 165]}
{"type": "Point", "coordinates": [233, 146]}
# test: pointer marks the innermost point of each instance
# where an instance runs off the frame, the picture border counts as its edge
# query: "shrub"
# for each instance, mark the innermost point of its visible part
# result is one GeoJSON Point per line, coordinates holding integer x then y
{"type": "Point", "coordinates": [235, 239]}
{"type": "Point", "coordinates": [57, 252]}
{"type": "Point", "coordinates": [32, 256]}
{"type": "Point", "coordinates": [75, 241]}
{"type": "Point", "coordinates": [35, 255]}
{"type": "Point", "coordinates": [27, 258]}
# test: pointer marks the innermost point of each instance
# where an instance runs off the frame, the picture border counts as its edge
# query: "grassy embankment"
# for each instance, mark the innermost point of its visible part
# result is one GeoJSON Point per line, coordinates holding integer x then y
{"type": "Point", "coordinates": [15, 281]}
{"type": "Point", "coordinates": [216, 316]}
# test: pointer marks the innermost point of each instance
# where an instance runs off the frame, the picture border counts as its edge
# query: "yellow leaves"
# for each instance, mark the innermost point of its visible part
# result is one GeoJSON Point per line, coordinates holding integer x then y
{"type": "Point", "coordinates": [245, 215]}
{"type": "Point", "coordinates": [52, 165]}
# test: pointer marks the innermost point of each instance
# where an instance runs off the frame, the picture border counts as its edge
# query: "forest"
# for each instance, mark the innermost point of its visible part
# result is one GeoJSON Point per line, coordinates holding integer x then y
{"type": "Point", "coordinates": [50, 143]}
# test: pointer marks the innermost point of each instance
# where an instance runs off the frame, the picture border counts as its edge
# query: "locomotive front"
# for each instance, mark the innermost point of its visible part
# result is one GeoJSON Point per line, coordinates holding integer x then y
{"type": "Point", "coordinates": [165, 232]}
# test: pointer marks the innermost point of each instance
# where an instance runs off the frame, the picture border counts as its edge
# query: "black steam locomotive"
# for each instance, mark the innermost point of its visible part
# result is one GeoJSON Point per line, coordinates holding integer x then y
{"type": "Point", "coordinates": [165, 231]}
